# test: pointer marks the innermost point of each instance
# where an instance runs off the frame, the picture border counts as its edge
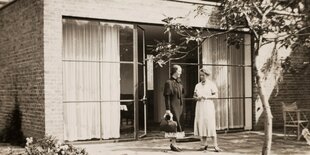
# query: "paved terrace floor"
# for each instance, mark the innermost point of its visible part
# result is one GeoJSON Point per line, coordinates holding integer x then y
{"type": "Point", "coordinates": [246, 143]}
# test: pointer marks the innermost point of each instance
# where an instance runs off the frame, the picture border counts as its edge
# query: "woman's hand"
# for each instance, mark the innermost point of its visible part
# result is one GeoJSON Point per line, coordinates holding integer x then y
{"type": "Point", "coordinates": [201, 98]}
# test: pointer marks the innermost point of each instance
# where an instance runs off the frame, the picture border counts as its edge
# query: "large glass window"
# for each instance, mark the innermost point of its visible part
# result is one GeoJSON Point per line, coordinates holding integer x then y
{"type": "Point", "coordinates": [97, 78]}
{"type": "Point", "coordinates": [229, 71]}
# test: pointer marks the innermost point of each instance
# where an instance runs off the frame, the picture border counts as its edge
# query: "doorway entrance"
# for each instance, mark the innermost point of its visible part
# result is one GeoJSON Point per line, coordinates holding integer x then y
{"type": "Point", "coordinates": [231, 71]}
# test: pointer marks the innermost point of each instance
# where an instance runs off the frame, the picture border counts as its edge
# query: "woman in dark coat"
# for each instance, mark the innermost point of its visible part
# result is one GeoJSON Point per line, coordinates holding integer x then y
{"type": "Point", "coordinates": [174, 103]}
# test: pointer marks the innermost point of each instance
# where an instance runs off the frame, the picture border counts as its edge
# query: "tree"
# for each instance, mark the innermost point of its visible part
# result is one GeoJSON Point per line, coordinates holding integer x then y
{"type": "Point", "coordinates": [280, 23]}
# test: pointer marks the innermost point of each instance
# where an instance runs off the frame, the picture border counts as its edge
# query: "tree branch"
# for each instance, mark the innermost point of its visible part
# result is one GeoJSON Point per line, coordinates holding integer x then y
{"type": "Point", "coordinates": [287, 13]}
{"type": "Point", "coordinates": [270, 9]}
{"type": "Point", "coordinates": [258, 9]}
{"type": "Point", "coordinates": [250, 24]}
{"type": "Point", "coordinates": [288, 35]}
{"type": "Point", "coordinates": [200, 43]}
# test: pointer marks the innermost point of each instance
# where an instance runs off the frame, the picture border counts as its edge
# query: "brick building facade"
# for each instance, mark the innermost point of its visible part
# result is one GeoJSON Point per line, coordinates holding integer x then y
{"type": "Point", "coordinates": [31, 56]}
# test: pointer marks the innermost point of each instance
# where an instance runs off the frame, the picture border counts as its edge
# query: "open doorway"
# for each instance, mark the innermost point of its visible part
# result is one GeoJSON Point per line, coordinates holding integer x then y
{"type": "Point", "coordinates": [157, 76]}
{"type": "Point", "coordinates": [155, 79]}
{"type": "Point", "coordinates": [229, 66]}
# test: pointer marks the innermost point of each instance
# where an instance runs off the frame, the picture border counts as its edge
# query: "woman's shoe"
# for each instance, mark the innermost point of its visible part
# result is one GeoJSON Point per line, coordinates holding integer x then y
{"type": "Point", "coordinates": [174, 148]}
{"type": "Point", "coordinates": [217, 149]}
{"type": "Point", "coordinates": [203, 148]}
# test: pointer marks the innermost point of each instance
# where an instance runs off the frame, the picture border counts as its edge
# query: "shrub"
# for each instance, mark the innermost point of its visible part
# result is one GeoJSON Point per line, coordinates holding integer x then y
{"type": "Point", "coordinates": [51, 146]}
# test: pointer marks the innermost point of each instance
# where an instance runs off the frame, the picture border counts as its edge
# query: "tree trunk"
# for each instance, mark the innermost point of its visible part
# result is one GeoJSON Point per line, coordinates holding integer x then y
{"type": "Point", "coordinates": [268, 119]}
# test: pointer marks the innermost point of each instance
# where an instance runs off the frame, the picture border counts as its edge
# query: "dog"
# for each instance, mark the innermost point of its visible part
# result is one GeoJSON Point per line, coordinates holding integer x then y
{"type": "Point", "coordinates": [305, 132]}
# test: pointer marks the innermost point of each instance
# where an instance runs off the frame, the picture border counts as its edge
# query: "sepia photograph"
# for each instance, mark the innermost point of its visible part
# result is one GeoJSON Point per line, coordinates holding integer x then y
{"type": "Point", "coordinates": [158, 77]}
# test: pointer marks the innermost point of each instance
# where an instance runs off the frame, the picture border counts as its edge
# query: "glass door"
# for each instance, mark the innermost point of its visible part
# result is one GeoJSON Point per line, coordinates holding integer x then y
{"type": "Point", "coordinates": [142, 96]}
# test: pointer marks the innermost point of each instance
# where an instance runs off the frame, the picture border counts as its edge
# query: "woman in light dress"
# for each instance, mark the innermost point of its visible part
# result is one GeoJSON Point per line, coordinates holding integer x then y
{"type": "Point", "coordinates": [204, 124]}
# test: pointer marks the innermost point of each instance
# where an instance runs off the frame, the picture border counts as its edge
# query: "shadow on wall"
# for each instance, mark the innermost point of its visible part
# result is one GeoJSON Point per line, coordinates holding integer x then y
{"type": "Point", "coordinates": [12, 132]}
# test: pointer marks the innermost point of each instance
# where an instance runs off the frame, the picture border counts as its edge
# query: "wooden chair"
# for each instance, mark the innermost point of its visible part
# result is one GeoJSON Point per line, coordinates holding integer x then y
{"type": "Point", "coordinates": [294, 118]}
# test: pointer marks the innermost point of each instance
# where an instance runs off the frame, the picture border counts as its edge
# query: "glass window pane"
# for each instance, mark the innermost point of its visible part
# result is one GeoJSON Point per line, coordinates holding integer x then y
{"type": "Point", "coordinates": [116, 42]}
{"type": "Point", "coordinates": [221, 112]}
{"type": "Point", "coordinates": [80, 40]}
{"type": "Point", "coordinates": [116, 81]}
{"type": "Point", "coordinates": [127, 120]}
{"type": "Point", "coordinates": [235, 54]}
{"type": "Point", "coordinates": [236, 113]}
{"type": "Point", "coordinates": [236, 82]}
{"type": "Point", "coordinates": [110, 119]}
{"type": "Point", "coordinates": [127, 80]}
{"type": "Point", "coordinates": [214, 50]}
{"type": "Point", "coordinates": [81, 120]}
{"type": "Point", "coordinates": [191, 57]}
{"type": "Point", "coordinates": [110, 81]}
{"type": "Point", "coordinates": [141, 44]}
{"type": "Point", "coordinates": [81, 81]}
{"type": "Point", "coordinates": [126, 44]}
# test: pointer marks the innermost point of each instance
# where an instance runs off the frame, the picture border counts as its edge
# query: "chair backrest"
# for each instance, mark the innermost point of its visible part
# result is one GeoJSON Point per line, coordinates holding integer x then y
{"type": "Point", "coordinates": [288, 107]}
{"type": "Point", "coordinates": [293, 116]}
{"type": "Point", "coordinates": [292, 106]}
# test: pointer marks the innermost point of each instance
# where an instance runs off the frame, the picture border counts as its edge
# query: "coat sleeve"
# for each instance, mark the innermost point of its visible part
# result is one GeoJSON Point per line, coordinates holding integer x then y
{"type": "Point", "coordinates": [196, 91]}
{"type": "Point", "coordinates": [167, 93]}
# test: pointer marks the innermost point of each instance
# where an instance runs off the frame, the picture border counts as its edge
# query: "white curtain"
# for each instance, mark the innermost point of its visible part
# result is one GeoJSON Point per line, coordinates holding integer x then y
{"type": "Point", "coordinates": [218, 57]}
{"type": "Point", "coordinates": [110, 84]}
{"type": "Point", "coordinates": [236, 89]}
{"type": "Point", "coordinates": [87, 81]}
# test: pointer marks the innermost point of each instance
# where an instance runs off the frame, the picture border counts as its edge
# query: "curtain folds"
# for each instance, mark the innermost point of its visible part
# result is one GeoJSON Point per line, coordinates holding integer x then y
{"type": "Point", "coordinates": [110, 84]}
{"type": "Point", "coordinates": [87, 81]}
{"type": "Point", "coordinates": [222, 60]}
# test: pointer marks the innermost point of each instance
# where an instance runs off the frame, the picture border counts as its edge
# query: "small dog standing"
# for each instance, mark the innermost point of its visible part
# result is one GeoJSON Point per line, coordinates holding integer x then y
{"type": "Point", "coordinates": [305, 132]}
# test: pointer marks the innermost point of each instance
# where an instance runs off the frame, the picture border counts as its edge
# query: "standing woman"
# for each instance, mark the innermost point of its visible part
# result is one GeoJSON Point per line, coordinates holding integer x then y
{"type": "Point", "coordinates": [204, 124]}
{"type": "Point", "coordinates": [174, 103]}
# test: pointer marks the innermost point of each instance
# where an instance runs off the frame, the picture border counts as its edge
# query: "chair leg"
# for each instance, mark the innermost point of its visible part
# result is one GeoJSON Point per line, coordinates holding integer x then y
{"type": "Point", "coordinates": [298, 132]}
{"type": "Point", "coordinates": [299, 137]}
{"type": "Point", "coordinates": [284, 132]}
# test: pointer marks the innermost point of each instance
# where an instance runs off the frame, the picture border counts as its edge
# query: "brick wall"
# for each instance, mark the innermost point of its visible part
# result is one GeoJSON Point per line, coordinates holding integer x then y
{"type": "Point", "coordinates": [53, 68]}
{"type": "Point", "coordinates": [293, 87]}
{"type": "Point", "coordinates": [21, 64]}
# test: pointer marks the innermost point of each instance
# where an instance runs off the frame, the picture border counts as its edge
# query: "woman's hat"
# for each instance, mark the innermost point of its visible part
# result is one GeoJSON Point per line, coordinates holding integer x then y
{"type": "Point", "coordinates": [205, 70]}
